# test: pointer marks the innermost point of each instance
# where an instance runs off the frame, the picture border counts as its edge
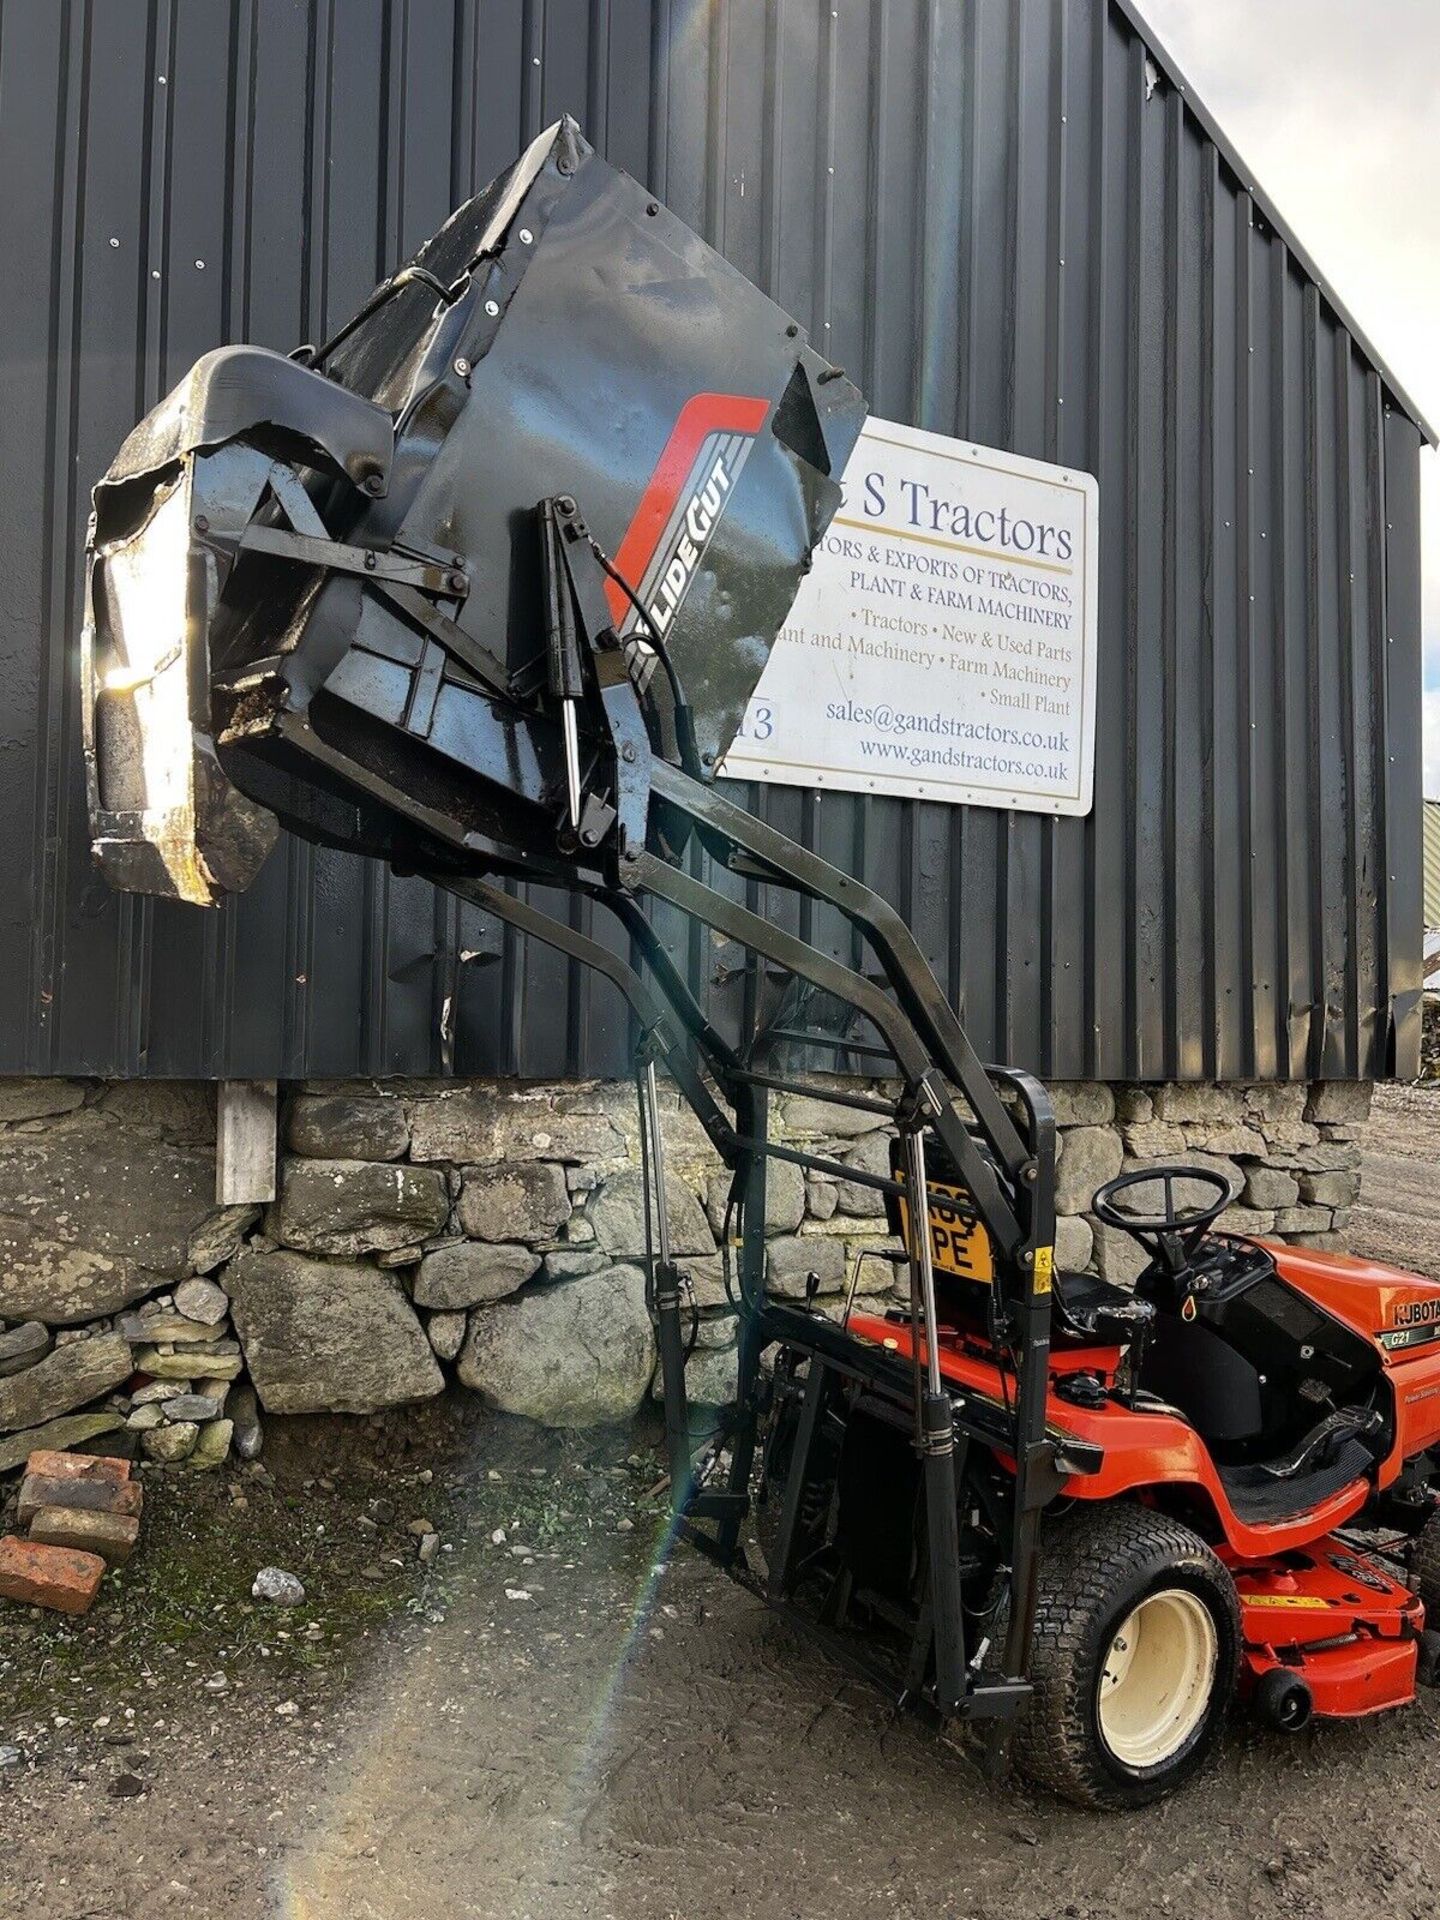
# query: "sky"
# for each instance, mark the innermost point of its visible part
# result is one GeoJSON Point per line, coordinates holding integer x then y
{"type": "Point", "coordinates": [1335, 104]}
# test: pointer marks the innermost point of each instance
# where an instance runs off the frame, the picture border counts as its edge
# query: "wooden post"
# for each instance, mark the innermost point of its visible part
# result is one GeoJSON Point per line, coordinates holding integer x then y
{"type": "Point", "coordinates": [245, 1142]}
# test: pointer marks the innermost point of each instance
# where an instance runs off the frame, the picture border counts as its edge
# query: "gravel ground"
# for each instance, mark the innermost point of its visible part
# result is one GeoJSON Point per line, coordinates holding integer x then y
{"type": "Point", "coordinates": [1398, 1215]}
{"type": "Point", "coordinates": [533, 1728]}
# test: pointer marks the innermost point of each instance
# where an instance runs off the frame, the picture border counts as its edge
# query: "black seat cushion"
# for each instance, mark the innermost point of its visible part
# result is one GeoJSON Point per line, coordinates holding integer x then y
{"type": "Point", "coordinates": [1088, 1310]}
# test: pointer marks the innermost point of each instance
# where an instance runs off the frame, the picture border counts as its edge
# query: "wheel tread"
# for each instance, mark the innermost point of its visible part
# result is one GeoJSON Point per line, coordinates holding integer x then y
{"type": "Point", "coordinates": [1424, 1561]}
{"type": "Point", "coordinates": [1087, 1558]}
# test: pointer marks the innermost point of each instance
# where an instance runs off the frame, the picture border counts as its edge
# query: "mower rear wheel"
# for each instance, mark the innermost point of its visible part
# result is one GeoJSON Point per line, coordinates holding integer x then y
{"type": "Point", "coordinates": [1136, 1653]}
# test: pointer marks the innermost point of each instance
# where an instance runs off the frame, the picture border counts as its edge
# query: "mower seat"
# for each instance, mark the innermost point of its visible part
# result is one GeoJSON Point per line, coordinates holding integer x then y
{"type": "Point", "coordinates": [1088, 1311]}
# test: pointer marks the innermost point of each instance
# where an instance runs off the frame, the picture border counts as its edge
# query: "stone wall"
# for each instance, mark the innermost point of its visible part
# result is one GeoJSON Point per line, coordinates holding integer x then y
{"type": "Point", "coordinates": [1292, 1152]}
{"type": "Point", "coordinates": [491, 1233]}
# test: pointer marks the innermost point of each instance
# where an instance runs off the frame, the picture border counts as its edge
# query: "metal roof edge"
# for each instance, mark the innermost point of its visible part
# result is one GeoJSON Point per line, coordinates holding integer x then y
{"type": "Point", "coordinates": [1173, 72]}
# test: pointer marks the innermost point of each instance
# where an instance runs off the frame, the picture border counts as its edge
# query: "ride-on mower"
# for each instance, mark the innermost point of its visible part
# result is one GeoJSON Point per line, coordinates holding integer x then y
{"type": "Point", "coordinates": [482, 586]}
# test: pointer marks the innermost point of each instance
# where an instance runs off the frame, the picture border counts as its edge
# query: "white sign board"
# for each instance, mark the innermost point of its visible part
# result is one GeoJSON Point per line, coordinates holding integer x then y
{"type": "Point", "coordinates": [943, 646]}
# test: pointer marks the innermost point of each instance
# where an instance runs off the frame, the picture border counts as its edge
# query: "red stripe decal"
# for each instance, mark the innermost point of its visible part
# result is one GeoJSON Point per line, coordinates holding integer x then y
{"type": "Point", "coordinates": [707, 413]}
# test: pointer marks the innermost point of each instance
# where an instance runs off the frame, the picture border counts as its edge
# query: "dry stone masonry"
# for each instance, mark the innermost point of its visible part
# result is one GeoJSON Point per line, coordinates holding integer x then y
{"type": "Point", "coordinates": [1430, 1038]}
{"type": "Point", "coordinates": [492, 1234]}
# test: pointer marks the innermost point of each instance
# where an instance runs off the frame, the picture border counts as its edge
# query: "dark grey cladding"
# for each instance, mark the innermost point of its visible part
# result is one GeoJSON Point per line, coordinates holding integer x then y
{"type": "Point", "coordinates": [990, 219]}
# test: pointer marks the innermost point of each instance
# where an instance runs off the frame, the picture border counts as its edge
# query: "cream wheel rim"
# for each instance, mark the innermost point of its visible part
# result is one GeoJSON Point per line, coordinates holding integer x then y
{"type": "Point", "coordinates": [1156, 1678]}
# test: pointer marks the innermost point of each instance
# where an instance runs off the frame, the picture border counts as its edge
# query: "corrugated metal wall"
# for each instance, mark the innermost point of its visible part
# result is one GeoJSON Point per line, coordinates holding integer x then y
{"type": "Point", "coordinates": [1011, 227]}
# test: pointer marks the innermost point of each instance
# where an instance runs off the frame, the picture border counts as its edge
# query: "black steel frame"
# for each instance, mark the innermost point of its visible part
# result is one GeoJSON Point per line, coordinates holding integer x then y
{"type": "Point", "coordinates": [946, 1092]}
{"type": "Point", "coordinates": [622, 835]}
{"type": "Point", "coordinates": [673, 1030]}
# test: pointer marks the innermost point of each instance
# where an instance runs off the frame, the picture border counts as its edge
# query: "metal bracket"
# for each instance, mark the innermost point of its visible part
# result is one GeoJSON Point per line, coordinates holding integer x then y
{"type": "Point", "coordinates": [583, 647]}
{"type": "Point", "coordinates": [471, 655]}
{"type": "Point", "coordinates": [398, 565]}
{"type": "Point", "coordinates": [664, 1288]}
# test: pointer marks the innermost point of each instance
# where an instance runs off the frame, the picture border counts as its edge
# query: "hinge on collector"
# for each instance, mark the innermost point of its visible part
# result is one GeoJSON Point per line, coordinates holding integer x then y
{"type": "Point", "coordinates": [923, 1104]}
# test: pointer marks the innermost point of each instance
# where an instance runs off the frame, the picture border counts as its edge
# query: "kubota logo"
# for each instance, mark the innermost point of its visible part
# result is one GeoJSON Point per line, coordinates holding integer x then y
{"type": "Point", "coordinates": [1416, 1313]}
{"type": "Point", "coordinates": [684, 503]}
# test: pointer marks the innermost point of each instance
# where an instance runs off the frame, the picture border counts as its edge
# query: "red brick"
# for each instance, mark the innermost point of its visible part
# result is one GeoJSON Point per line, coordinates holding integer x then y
{"type": "Point", "coordinates": [111, 1535]}
{"type": "Point", "coordinates": [52, 1577]}
{"type": "Point", "coordinates": [76, 1466]}
{"type": "Point", "coordinates": [99, 1496]}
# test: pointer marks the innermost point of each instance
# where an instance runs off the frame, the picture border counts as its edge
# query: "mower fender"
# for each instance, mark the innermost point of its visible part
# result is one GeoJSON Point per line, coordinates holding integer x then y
{"type": "Point", "coordinates": [1157, 1456]}
{"type": "Point", "coordinates": [1180, 1466]}
{"type": "Point", "coordinates": [1134, 1454]}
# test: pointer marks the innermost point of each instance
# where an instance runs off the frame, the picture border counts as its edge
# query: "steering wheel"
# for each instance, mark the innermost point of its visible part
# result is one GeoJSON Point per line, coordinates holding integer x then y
{"type": "Point", "coordinates": [1172, 1236]}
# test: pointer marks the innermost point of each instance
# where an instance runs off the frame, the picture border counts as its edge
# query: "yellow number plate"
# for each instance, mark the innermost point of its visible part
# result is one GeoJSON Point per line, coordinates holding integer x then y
{"type": "Point", "coordinates": [959, 1244]}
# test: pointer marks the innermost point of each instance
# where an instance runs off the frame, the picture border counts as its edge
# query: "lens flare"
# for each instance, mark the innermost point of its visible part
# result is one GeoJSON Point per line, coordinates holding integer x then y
{"type": "Point", "coordinates": [336, 1867]}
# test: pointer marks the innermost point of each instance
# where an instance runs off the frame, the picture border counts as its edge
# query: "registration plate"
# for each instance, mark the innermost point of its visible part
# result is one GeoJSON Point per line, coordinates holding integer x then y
{"type": "Point", "coordinates": [959, 1244]}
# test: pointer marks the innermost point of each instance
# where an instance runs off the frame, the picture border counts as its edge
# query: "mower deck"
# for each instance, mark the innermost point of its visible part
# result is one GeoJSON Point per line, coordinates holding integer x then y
{"type": "Point", "coordinates": [1336, 1618]}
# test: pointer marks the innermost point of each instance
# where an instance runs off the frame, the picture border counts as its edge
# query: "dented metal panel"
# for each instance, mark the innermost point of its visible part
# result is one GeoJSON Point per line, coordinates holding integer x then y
{"type": "Point", "coordinates": [982, 209]}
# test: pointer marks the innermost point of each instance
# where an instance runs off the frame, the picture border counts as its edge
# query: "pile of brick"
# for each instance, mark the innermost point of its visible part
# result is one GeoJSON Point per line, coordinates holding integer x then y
{"type": "Point", "coordinates": [79, 1514]}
